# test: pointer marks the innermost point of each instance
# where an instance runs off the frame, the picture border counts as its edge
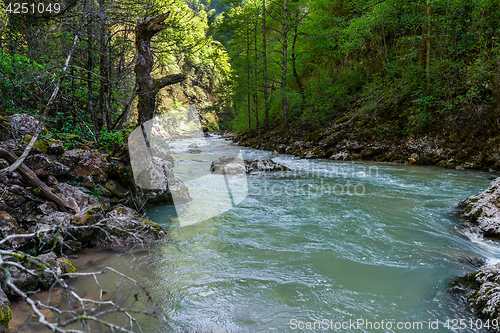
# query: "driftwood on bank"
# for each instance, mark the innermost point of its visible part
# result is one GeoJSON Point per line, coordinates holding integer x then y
{"type": "Point", "coordinates": [65, 204]}
{"type": "Point", "coordinates": [148, 87]}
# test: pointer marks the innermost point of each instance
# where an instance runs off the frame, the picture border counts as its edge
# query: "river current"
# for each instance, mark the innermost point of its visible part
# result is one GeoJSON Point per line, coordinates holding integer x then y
{"type": "Point", "coordinates": [330, 242]}
{"type": "Point", "coordinates": [345, 246]}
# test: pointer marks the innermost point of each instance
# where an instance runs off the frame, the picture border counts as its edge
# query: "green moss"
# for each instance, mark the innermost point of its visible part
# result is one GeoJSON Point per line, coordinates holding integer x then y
{"type": "Point", "coordinates": [26, 139]}
{"type": "Point", "coordinates": [155, 226]}
{"type": "Point", "coordinates": [5, 315]}
{"type": "Point", "coordinates": [341, 120]}
{"type": "Point", "coordinates": [470, 281]}
{"type": "Point", "coordinates": [39, 143]}
{"type": "Point", "coordinates": [26, 259]}
{"type": "Point", "coordinates": [42, 145]}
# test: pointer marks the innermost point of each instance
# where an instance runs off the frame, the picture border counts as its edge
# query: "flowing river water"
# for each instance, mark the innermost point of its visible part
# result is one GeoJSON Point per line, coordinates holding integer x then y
{"type": "Point", "coordinates": [331, 242]}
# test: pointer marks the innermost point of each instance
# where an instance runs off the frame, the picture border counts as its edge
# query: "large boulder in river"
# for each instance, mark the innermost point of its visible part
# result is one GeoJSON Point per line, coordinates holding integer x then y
{"type": "Point", "coordinates": [483, 209]}
{"type": "Point", "coordinates": [156, 184]}
{"type": "Point", "coordinates": [228, 165]}
{"type": "Point", "coordinates": [263, 165]}
{"type": "Point", "coordinates": [175, 193]}
{"type": "Point", "coordinates": [156, 174]}
{"type": "Point", "coordinates": [235, 166]}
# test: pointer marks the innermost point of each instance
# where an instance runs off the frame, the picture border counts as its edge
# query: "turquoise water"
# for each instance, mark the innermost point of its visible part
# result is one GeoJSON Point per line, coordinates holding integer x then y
{"type": "Point", "coordinates": [330, 242]}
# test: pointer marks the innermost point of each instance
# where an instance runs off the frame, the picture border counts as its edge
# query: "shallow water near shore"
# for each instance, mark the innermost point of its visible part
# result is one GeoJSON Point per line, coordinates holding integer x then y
{"type": "Point", "coordinates": [329, 242]}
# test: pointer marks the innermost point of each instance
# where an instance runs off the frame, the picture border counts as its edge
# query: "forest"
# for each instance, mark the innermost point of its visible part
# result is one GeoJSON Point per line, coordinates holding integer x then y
{"type": "Point", "coordinates": [98, 93]}
{"type": "Point", "coordinates": [404, 66]}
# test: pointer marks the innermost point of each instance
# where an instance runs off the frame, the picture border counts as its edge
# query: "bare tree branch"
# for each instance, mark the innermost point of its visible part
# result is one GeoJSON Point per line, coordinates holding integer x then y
{"type": "Point", "coordinates": [19, 161]}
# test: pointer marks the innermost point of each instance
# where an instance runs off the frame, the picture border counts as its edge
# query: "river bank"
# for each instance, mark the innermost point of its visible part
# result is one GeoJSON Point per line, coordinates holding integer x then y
{"type": "Point", "coordinates": [482, 288]}
{"type": "Point", "coordinates": [347, 140]}
{"type": "Point", "coordinates": [88, 200]}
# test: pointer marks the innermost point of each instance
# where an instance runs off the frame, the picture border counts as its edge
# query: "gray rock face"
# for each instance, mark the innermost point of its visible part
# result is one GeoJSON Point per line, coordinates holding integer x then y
{"type": "Point", "coordinates": [22, 123]}
{"type": "Point", "coordinates": [176, 189]}
{"type": "Point", "coordinates": [88, 166]}
{"type": "Point", "coordinates": [9, 226]}
{"type": "Point", "coordinates": [43, 166]}
{"type": "Point", "coordinates": [263, 165]}
{"type": "Point", "coordinates": [484, 209]}
{"type": "Point", "coordinates": [73, 193]}
{"type": "Point", "coordinates": [228, 165]}
{"type": "Point", "coordinates": [483, 286]}
{"type": "Point", "coordinates": [156, 174]}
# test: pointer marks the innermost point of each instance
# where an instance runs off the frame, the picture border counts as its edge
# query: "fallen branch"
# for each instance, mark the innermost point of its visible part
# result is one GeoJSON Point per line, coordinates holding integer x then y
{"type": "Point", "coordinates": [110, 312]}
{"type": "Point", "coordinates": [17, 162]}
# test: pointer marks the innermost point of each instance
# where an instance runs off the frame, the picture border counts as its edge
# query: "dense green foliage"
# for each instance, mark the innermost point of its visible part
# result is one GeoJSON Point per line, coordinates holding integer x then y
{"type": "Point", "coordinates": [97, 91]}
{"type": "Point", "coordinates": [403, 65]}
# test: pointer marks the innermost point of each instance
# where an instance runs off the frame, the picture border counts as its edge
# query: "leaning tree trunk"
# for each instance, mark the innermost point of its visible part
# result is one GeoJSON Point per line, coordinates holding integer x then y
{"type": "Point", "coordinates": [147, 87]}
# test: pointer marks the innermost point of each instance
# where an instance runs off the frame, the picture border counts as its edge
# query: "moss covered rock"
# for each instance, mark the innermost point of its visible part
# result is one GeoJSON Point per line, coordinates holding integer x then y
{"type": "Point", "coordinates": [483, 209]}
{"type": "Point", "coordinates": [125, 228]}
{"type": "Point", "coordinates": [66, 265]}
{"type": "Point", "coordinates": [117, 189]}
{"type": "Point", "coordinates": [88, 166]}
{"type": "Point", "coordinates": [5, 312]}
{"type": "Point", "coordinates": [483, 291]}
{"type": "Point", "coordinates": [44, 166]}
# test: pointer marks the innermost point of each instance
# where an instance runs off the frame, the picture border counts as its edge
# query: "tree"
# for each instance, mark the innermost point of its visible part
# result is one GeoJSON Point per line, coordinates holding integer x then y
{"type": "Point", "coordinates": [264, 61]}
{"type": "Point", "coordinates": [147, 86]}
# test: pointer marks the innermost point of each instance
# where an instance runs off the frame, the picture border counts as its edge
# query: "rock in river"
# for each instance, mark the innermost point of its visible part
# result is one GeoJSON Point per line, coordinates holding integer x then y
{"type": "Point", "coordinates": [264, 165]}
{"type": "Point", "coordinates": [233, 166]}
{"type": "Point", "coordinates": [483, 209]}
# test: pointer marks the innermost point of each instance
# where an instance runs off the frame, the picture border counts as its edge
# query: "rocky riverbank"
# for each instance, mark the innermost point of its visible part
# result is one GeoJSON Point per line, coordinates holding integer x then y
{"type": "Point", "coordinates": [345, 141]}
{"type": "Point", "coordinates": [482, 287]}
{"type": "Point", "coordinates": [100, 189]}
